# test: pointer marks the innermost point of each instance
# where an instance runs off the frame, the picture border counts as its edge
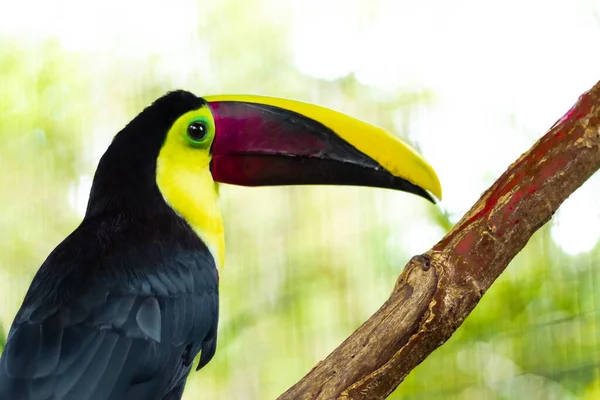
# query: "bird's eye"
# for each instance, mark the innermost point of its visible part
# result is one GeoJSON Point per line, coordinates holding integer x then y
{"type": "Point", "coordinates": [197, 131]}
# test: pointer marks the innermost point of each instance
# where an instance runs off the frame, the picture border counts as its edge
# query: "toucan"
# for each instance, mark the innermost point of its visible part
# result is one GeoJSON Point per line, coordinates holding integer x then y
{"type": "Point", "coordinates": [122, 307]}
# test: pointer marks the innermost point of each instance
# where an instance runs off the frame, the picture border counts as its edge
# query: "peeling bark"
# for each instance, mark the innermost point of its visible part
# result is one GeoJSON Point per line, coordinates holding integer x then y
{"type": "Point", "coordinates": [437, 290]}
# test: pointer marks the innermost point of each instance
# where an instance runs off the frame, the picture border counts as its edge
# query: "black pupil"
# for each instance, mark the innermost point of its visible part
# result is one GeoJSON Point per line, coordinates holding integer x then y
{"type": "Point", "coordinates": [197, 130]}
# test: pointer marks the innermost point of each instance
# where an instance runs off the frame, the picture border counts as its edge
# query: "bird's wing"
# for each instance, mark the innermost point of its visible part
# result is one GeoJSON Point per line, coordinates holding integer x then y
{"type": "Point", "coordinates": [125, 338]}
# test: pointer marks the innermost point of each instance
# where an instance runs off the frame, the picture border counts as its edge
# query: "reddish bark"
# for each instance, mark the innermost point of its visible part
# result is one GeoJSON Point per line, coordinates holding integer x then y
{"type": "Point", "coordinates": [437, 290]}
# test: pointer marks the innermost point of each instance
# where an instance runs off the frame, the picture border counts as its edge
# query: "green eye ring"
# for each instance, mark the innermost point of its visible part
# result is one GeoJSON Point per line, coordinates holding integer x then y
{"type": "Point", "coordinates": [199, 132]}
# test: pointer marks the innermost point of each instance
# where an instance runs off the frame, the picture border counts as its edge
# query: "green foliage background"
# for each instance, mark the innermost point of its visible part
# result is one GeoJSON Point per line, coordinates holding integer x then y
{"type": "Point", "coordinates": [305, 266]}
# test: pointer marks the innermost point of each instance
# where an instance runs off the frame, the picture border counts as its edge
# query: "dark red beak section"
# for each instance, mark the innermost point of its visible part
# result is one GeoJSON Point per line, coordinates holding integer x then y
{"type": "Point", "coordinates": [265, 145]}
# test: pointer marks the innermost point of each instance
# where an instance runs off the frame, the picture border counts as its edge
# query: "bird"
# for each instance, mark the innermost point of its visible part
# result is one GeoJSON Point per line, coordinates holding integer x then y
{"type": "Point", "coordinates": [122, 307]}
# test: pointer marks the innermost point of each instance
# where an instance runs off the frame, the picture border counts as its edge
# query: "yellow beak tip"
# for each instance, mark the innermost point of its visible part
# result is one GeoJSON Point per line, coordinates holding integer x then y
{"type": "Point", "coordinates": [437, 191]}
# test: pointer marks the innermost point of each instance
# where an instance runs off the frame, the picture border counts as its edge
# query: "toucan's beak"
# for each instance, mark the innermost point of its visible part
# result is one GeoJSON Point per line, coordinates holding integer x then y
{"type": "Point", "coordinates": [262, 141]}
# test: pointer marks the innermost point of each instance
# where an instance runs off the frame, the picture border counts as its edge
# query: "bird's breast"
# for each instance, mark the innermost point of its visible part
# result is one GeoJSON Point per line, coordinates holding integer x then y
{"type": "Point", "coordinates": [194, 197]}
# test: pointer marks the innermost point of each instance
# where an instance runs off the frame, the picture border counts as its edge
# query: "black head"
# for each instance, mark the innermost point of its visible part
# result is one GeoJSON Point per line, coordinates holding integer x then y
{"type": "Point", "coordinates": [125, 177]}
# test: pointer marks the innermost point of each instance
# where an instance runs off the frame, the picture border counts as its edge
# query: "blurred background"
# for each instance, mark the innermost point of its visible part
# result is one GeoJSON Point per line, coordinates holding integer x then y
{"type": "Point", "coordinates": [471, 84]}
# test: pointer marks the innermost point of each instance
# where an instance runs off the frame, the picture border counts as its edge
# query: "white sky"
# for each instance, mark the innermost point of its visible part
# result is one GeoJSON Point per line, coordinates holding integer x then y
{"type": "Point", "coordinates": [502, 72]}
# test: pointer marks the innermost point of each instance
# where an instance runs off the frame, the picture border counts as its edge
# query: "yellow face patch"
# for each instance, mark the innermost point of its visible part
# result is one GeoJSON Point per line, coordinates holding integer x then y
{"type": "Point", "coordinates": [183, 177]}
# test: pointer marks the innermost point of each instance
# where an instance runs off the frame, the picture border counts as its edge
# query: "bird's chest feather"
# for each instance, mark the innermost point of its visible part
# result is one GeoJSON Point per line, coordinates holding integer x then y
{"type": "Point", "coordinates": [194, 196]}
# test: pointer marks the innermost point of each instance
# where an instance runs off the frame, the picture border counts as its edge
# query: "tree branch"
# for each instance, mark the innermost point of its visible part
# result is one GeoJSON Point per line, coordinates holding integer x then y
{"type": "Point", "coordinates": [437, 290]}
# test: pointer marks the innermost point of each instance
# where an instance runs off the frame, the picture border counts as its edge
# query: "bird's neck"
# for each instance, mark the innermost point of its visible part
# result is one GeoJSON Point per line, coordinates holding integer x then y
{"type": "Point", "coordinates": [194, 196]}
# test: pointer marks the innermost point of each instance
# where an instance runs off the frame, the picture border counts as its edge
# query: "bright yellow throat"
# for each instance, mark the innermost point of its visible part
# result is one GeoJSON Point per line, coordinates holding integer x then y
{"type": "Point", "coordinates": [183, 177]}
